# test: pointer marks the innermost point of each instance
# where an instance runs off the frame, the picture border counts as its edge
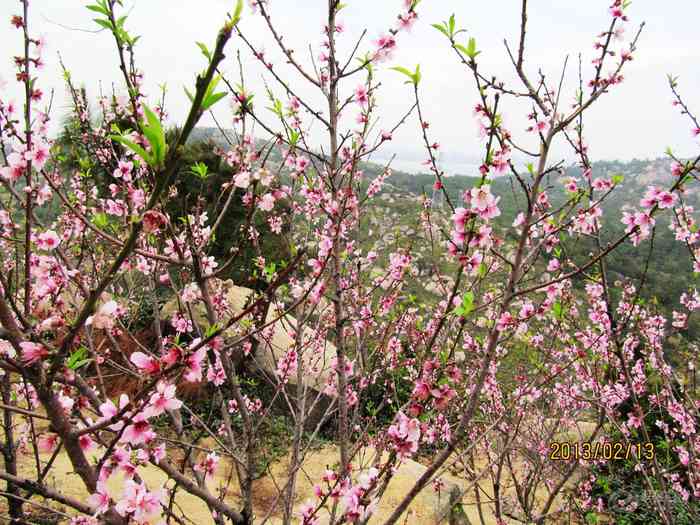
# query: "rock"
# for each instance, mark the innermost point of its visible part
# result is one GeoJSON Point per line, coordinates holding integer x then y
{"type": "Point", "coordinates": [315, 356]}
{"type": "Point", "coordinates": [428, 508]}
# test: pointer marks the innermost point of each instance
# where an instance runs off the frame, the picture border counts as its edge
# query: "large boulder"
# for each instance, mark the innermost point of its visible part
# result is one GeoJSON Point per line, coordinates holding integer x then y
{"type": "Point", "coordinates": [281, 335]}
{"type": "Point", "coordinates": [430, 507]}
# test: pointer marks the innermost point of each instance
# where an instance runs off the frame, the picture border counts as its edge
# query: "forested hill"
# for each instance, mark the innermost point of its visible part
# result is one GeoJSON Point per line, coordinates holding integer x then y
{"type": "Point", "coordinates": [669, 272]}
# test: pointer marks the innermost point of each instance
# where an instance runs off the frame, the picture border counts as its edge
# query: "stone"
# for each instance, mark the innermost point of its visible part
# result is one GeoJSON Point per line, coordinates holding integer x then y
{"type": "Point", "coordinates": [316, 357]}
{"type": "Point", "coordinates": [428, 508]}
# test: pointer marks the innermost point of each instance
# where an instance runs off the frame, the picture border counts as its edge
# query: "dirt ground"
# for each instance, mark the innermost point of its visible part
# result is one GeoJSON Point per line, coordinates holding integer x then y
{"type": "Point", "coordinates": [425, 509]}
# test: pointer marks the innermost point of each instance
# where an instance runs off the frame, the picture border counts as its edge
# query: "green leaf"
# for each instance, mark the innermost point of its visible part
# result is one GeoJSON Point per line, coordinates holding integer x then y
{"type": "Point", "coordinates": [153, 131]}
{"type": "Point", "coordinates": [78, 358]}
{"type": "Point", "coordinates": [402, 70]}
{"type": "Point", "coordinates": [617, 179]}
{"type": "Point", "coordinates": [452, 24]}
{"type": "Point", "coordinates": [212, 99]}
{"type": "Point", "coordinates": [205, 50]}
{"type": "Point", "coordinates": [276, 107]}
{"type": "Point", "coordinates": [104, 23]}
{"type": "Point", "coordinates": [467, 305]}
{"type": "Point", "coordinates": [417, 75]}
{"type": "Point", "coordinates": [189, 95]}
{"type": "Point", "coordinates": [558, 310]}
{"type": "Point", "coordinates": [269, 271]}
{"type": "Point", "coordinates": [471, 49]}
{"type": "Point", "coordinates": [442, 29]}
{"type": "Point", "coordinates": [200, 170]}
{"type": "Point", "coordinates": [237, 12]}
{"type": "Point", "coordinates": [294, 136]}
{"type": "Point", "coordinates": [133, 147]}
{"type": "Point", "coordinates": [100, 220]}
{"type": "Point", "coordinates": [98, 9]}
{"type": "Point", "coordinates": [461, 48]}
{"type": "Point", "coordinates": [414, 77]}
{"type": "Point", "coordinates": [211, 330]}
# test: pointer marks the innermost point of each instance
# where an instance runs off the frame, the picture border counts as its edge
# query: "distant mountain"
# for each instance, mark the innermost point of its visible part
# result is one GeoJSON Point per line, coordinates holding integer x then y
{"type": "Point", "coordinates": [669, 272]}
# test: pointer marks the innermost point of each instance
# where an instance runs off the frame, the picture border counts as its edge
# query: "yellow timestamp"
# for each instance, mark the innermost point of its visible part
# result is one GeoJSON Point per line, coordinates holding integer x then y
{"type": "Point", "coordinates": [605, 450]}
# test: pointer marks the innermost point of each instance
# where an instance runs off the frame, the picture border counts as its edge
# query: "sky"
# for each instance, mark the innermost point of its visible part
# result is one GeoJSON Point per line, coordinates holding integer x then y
{"type": "Point", "coordinates": [635, 120]}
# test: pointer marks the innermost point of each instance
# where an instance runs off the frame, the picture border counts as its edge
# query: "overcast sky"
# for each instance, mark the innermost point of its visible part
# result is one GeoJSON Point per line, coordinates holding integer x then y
{"type": "Point", "coordinates": [635, 120]}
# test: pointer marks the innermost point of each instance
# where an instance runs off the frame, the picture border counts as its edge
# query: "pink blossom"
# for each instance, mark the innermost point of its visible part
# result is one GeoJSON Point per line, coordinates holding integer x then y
{"type": "Point", "coordinates": [267, 202]}
{"type": "Point", "coordinates": [301, 164]}
{"type": "Point", "coordinates": [677, 169]}
{"type": "Point", "coordinates": [242, 180]}
{"type": "Point", "coordinates": [361, 95]}
{"type": "Point", "coordinates": [46, 443]}
{"type": "Point", "coordinates": [33, 352]}
{"type": "Point", "coordinates": [87, 444]}
{"type": "Point", "coordinates": [666, 199]}
{"type": "Point", "coordinates": [105, 317]}
{"type": "Point", "coordinates": [154, 221]}
{"type": "Point", "coordinates": [138, 432]}
{"type": "Point", "coordinates": [159, 453]}
{"type": "Point", "coordinates": [483, 202]}
{"type": "Point", "coordinates": [191, 293]}
{"type": "Point", "coordinates": [109, 410]}
{"type": "Point", "coordinates": [208, 465]}
{"type": "Point", "coordinates": [519, 220]}
{"type": "Point", "coordinates": [48, 240]}
{"type": "Point", "coordinates": [138, 502]}
{"type": "Point", "coordinates": [442, 395]}
{"type": "Point", "coordinates": [306, 513]}
{"type": "Point", "coordinates": [386, 45]}
{"type": "Point", "coordinates": [421, 391]}
{"type": "Point", "coordinates": [405, 435]}
{"type": "Point", "coordinates": [163, 399]}
{"type": "Point", "coordinates": [100, 500]}
{"type": "Point", "coordinates": [193, 372]}
{"type": "Point", "coordinates": [145, 363]}
{"type": "Point", "coordinates": [38, 155]}
{"type": "Point", "coordinates": [123, 170]}
{"type": "Point", "coordinates": [287, 365]}
{"type": "Point", "coordinates": [407, 20]}
{"type": "Point", "coordinates": [16, 164]}
{"type": "Point", "coordinates": [572, 186]}
{"type": "Point", "coordinates": [459, 219]}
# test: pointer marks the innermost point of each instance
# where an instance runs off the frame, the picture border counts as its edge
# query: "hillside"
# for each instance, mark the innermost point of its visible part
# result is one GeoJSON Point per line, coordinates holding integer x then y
{"type": "Point", "coordinates": [394, 223]}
